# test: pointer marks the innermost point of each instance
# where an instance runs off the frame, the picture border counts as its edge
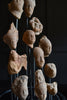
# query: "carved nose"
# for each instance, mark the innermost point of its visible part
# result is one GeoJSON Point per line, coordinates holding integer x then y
{"type": "Point", "coordinates": [41, 59]}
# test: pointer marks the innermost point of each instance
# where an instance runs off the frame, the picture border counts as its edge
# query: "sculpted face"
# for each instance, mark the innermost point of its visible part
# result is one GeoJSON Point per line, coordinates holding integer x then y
{"type": "Point", "coordinates": [29, 7]}
{"type": "Point", "coordinates": [39, 57]}
{"type": "Point", "coordinates": [46, 45]}
{"type": "Point", "coordinates": [29, 38]}
{"type": "Point", "coordinates": [36, 25]}
{"type": "Point", "coordinates": [16, 8]}
{"type": "Point", "coordinates": [39, 77]}
{"type": "Point", "coordinates": [50, 70]}
{"type": "Point", "coordinates": [11, 38]}
{"type": "Point", "coordinates": [19, 87]}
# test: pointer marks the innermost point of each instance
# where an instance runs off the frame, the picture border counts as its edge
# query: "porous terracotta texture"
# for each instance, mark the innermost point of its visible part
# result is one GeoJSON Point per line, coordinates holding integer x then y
{"type": "Point", "coordinates": [29, 38]}
{"type": "Point", "coordinates": [36, 25]}
{"type": "Point", "coordinates": [29, 6]}
{"type": "Point", "coordinates": [50, 70]}
{"type": "Point", "coordinates": [11, 38]}
{"type": "Point", "coordinates": [16, 8]}
{"type": "Point", "coordinates": [20, 88]}
{"type": "Point", "coordinates": [52, 88]}
{"type": "Point", "coordinates": [16, 62]}
{"type": "Point", "coordinates": [46, 45]}
{"type": "Point", "coordinates": [40, 85]}
{"type": "Point", "coordinates": [39, 57]}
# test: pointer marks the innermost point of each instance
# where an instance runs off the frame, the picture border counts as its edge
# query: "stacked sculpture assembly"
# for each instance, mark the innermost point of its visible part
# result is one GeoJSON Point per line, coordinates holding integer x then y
{"type": "Point", "coordinates": [16, 62]}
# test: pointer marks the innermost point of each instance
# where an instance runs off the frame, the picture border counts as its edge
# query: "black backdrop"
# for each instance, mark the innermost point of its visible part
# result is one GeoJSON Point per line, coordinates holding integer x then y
{"type": "Point", "coordinates": [53, 15]}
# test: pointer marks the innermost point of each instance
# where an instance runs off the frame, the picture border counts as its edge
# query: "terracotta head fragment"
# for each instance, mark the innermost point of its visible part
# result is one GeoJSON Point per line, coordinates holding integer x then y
{"type": "Point", "coordinates": [36, 25]}
{"type": "Point", "coordinates": [11, 38]}
{"type": "Point", "coordinates": [29, 6]}
{"type": "Point", "coordinates": [46, 45]}
{"type": "Point", "coordinates": [16, 8]}
{"type": "Point", "coordinates": [39, 57]}
{"type": "Point", "coordinates": [16, 62]}
{"type": "Point", "coordinates": [29, 38]}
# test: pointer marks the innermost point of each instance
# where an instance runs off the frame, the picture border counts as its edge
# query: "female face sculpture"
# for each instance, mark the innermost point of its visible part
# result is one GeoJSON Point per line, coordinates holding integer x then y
{"type": "Point", "coordinates": [16, 8]}
{"type": "Point", "coordinates": [11, 38]}
{"type": "Point", "coordinates": [36, 25]}
{"type": "Point", "coordinates": [39, 57]}
{"type": "Point", "coordinates": [19, 87]}
{"type": "Point", "coordinates": [29, 7]}
{"type": "Point", "coordinates": [46, 45]}
{"type": "Point", "coordinates": [29, 38]}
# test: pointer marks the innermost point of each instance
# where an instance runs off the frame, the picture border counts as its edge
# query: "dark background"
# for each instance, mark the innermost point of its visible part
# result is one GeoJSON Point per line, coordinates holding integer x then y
{"type": "Point", "coordinates": [53, 15]}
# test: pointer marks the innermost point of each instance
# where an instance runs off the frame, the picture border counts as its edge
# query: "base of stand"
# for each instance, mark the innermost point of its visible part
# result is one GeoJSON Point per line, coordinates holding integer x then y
{"type": "Point", "coordinates": [6, 96]}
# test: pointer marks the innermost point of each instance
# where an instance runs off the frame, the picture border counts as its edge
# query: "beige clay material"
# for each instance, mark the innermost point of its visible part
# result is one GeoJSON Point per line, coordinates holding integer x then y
{"type": "Point", "coordinates": [36, 25]}
{"type": "Point", "coordinates": [29, 6]}
{"type": "Point", "coordinates": [11, 38]}
{"type": "Point", "coordinates": [20, 88]}
{"type": "Point", "coordinates": [52, 88]}
{"type": "Point", "coordinates": [40, 85]}
{"type": "Point", "coordinates": [29, 38]}
{"type": "Point", "coordinates": [39, 57]}
{"type": "Point", "coordinates": [16, 8]}
{"type": "Point", "coordinates": [16, 62]}
{"type": "Point", "coordinates": [46, 45]}
{"type": "Point", "coordinates": [50, 70]}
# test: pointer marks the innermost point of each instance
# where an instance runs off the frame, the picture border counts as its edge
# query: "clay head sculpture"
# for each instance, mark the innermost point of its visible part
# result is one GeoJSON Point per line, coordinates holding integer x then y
{"type": "Point", "coordinates": [50, 70]}
{"type": "Point", "coordinates": [39, 57]}
{"type": "Point", "coordinates": [46, 45]}
{"type": "Point", "coordinates": [52, 88]}
{"type": "Point", "coordinates": [11, 38]}
{"type": "Point", "coordinates": [29, 38]}
{"type": "Point", "coordinates": [16, 8]}
{"type": "Point", "coordinates": [36, 25]}
{"type": "Point", "coordinates": [19, 87]}
{"type": "Point", "coordinates": [29, 6]}
{"type": "Point", "coordinates": [39, 77]}
{"type": "Point", "coordinates": [16, 62]}
{"type": "Point", "coordinates": [40, 85]}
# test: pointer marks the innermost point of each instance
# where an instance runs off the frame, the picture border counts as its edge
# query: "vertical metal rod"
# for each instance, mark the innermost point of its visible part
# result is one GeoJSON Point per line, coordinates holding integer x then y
{"type": "Point", "coordinates": [30, 72]}
{"type": "Point", "coordinates": [16, 51]}
{"type": "Point", "coordinates": [50, 96]}
{"type": "Point", "coordinates": [27, 47]}
{"type": "Point", "coordinates": [34, 76]}
{"type": "Point", "coordinates": [11, 83]}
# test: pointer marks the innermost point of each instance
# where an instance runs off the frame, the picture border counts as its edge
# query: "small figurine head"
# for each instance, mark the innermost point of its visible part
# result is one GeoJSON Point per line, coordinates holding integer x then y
{"type": "Point", "coordinates": [39, 57]}
{"type": "Point", "coordinates": [11, 38]}
{"type": "Point", "coordinates": [19, 87]}
{"type": "Point", "coordinates": [52, 88]}
{"type": "Point", "coordinates": [29, 38]}
{"type": "Point", "coordinates": [46, 45]}
{"type": "Point", "coordinates": [36, 25]}
{"type": "Point", "coordinates": [39, 77]}
{"type": "Point", "coordinates": [50, 70]}
{"type": "Point", "coordinates": [16, 8]}
{"type": "Point", "coordinates": [29, 7]}
{"type": "Point", "coordinates": [16, 62]}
